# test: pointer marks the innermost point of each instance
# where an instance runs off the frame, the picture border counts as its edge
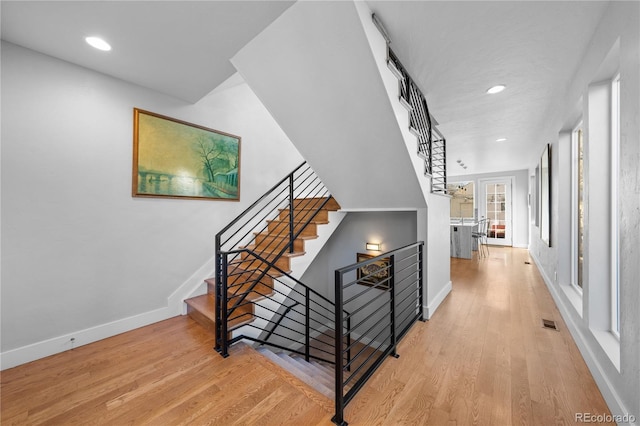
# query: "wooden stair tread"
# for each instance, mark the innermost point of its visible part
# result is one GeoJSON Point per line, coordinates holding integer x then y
{"type": "Point", "coordinates": [204, 309]}
{"type": "Point", "coordinates": [285, 236]}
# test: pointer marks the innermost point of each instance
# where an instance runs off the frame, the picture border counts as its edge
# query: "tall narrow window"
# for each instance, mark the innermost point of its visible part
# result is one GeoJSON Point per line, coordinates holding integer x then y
{"type": "Point", "coordinates": [578, 207]}
{"type": "Point", "coordinates": [615, 231]}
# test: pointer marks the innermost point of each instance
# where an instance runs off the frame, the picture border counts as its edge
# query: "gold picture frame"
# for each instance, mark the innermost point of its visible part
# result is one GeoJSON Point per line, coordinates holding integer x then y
{"type": "Point", "coordinates": [176, 159]}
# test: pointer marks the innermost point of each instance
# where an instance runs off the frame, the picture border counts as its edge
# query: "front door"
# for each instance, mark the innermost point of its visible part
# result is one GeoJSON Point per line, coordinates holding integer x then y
{"type": "Point", "coordinates": [495, 205]}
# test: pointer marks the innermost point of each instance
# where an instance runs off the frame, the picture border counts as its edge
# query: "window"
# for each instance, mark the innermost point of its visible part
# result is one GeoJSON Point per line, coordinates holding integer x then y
{"type": "Point", "coordinates": [615, 232]}
{"type": "Point", "coordinates": [462, 200]}
{"type": "Point", "coordinates": [577, 207]}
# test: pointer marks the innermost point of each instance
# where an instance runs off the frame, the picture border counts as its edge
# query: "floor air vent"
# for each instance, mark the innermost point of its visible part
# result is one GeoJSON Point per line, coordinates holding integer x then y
{"type": "Point", "coordinates": [549, 324]}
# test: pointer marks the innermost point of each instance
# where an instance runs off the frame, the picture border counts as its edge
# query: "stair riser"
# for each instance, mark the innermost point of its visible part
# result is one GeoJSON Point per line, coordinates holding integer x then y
{"type": "Point", "coordinates": [282, 228]}
{"type": "Point", "coordinates": [305, 215]}
{"type": "Point", "coordinates": [260, 290]}
{"type": "Point", "coordinates": [241, 316]}
{"type": "Point", "coordinates": [284, 263]}
{"type": "Point", "coordinates": [275, 244]}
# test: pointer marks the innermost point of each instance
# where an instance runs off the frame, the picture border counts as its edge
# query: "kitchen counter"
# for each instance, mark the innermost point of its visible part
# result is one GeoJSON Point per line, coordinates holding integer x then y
{"type": "Point", "coordinates": [462, 243]}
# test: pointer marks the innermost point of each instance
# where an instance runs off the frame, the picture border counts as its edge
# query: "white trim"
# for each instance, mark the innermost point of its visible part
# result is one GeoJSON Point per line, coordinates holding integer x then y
{"type": "Point", "coordinates": [614, 291]}
{"type": "Point", "coordinates": [430, 309]}
{"type": "Point", "coordinates": [34, 351]}
{"type": "Point", "coordinates": [574, 201]}
{"type": "Point", "coordinates": [526, 246]}
{"type": "Point", "coordinates": [611, 397]}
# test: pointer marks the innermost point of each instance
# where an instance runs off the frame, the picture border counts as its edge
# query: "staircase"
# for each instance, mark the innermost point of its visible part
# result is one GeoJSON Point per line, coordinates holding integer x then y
{"type": "Point", "coordinates": [250, 279]}
{"type": "Point", "coordinates": [316, 374]}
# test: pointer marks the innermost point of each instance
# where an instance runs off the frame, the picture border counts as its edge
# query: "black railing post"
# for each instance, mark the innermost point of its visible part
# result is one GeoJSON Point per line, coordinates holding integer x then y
{"type": "Point", "coordinates": [307, 325]}
{"type": "Point", "coordinates": [339, 416]}
{"type": "Point", "coordinates": [224, 349]}
{"type": "Point", "coordinates": [291, 206]}
{"type": "Point", "coordinates": [348, 342]}
{"type": "Point", "coordinates": [218, 292]}
{"type": "Point", "coordinates": [421, 281]}
{"type": "Point", "coordinates": [392, 304]}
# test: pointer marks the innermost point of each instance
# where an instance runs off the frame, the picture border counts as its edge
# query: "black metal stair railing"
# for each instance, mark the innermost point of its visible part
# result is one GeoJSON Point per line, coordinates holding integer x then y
{"type": "Point", "coordinates": [292, 317]}
{"type": "Point", "coordinates": [431, 144]}
{"type": "Point", "coordinates": [254, 243]}
{"type": "Point", "coordinates": [438, 162]}
{"type": "Point", "coordinates": [384, 300]}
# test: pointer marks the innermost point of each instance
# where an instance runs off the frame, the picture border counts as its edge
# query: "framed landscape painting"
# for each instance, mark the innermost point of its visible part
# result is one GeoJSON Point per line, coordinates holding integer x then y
{"type": "Point", "coordinates": [176, 159]}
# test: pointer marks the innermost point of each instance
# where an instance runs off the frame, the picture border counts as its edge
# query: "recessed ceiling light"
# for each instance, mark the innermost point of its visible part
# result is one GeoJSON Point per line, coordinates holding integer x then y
{"type": "Point", "coordinates": [496, 89]}
{"type": "Point", "coordinates": [98, 43]}
{"type": "Point", "coordinates": [501, 140]}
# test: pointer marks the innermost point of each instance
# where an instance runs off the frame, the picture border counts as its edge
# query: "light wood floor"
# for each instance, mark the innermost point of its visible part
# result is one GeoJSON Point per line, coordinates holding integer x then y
{"type": "Point", "coordinates": [484, 358]}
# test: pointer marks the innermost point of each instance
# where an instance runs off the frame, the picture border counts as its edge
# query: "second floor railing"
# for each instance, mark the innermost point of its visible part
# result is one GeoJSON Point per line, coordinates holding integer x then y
{"type": "Point", "coordinates": [431, 143]}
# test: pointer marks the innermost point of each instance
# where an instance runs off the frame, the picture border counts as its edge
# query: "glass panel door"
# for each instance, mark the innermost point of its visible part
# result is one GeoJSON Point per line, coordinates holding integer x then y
{"type": "Point", "coordinates": [497, 208]}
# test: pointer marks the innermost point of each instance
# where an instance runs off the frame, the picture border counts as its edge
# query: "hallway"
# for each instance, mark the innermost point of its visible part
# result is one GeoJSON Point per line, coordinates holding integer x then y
{"type": "Point", "coordinates": [484, 358]}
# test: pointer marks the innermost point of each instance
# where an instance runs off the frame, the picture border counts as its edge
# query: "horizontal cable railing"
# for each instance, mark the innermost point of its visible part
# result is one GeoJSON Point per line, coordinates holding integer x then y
{"type": "Point", "coordinates": [438, 162]}
{"type": "Point", "coordinates": [384, 297]}
{"type": "Point", "coordinates": [260, 240]}
{"type": "Point", "coordinates": [298, 319]}
{"type": "Point", "coordinates": [431, 144]}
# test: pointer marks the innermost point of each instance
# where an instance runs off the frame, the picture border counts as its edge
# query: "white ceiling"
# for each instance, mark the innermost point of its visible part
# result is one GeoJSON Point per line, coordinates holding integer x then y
{"type": "Point", "coordinates": [454, 50]}
{"type": "Point", "coordinates": [180, 48]}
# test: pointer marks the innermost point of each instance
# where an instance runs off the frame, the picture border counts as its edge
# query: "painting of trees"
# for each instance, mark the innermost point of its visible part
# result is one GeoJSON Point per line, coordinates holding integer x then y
{"type": "Point", "coordinates": [218, 155]}
{"type": "Point", "coordinates": [173, 158]}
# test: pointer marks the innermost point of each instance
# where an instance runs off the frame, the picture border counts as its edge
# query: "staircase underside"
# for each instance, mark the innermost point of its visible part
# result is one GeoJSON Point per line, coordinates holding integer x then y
{"type": "Point", "coordinates": [314, 71]}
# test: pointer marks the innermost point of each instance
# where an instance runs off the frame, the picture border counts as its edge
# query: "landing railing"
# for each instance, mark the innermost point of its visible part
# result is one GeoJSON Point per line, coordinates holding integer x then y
{"type": "Point", "coordinates": [384, 297]}
{"type": "Point", "coordinates": [247, 253]}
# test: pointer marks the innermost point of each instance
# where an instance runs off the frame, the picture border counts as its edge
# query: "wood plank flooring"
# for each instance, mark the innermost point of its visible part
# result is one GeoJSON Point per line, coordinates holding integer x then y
{"type": "Point", "coordinates": [483, 359]}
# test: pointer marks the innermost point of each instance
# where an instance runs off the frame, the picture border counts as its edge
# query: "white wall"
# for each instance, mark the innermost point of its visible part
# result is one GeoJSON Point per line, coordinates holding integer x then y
{"type": "Point", "coordinates": [392, 229]}
{"type": "Point", "coordinates": [438, 254]}
{"type": "Point", "coordinates": [78, 252]}
{"type": "Point", "coordinates": [331, 101]}
{"type": "Point", "coordinates": [519, 204]}
{"type": "Point", "coordinates": [615, 366]}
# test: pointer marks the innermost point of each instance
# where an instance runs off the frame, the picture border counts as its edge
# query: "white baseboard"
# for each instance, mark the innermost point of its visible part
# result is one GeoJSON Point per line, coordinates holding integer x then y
{"type": "Point", "coordinates": [611, 397]}
{"type": "Point", "coordinates": [437, 300]}
{"type": "Point", "coordinates": [520, 246]}
{"type": "Point", "coordinates": [175, 306]}
{"type": "Point", "coordinates": [63, 343]}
